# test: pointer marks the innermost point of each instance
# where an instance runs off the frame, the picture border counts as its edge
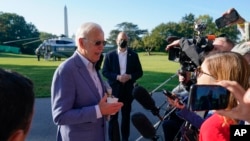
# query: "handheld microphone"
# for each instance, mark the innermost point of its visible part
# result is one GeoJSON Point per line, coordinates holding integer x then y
{"type": "Point", "coordinates": [144, 126]}
{"type": "Point", "coordinates": [144, 98]}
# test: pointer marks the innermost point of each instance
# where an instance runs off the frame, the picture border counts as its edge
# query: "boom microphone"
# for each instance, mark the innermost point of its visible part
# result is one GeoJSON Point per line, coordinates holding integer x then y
{"type": "Point", "coordinates": [144, 98]}
{"type": "Point", "coordinates": [144, 126]}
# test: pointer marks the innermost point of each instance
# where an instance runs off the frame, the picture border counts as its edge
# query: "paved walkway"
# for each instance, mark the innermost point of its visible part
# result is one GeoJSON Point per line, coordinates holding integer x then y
{"type": "Point", "coordinates": [43, 128]}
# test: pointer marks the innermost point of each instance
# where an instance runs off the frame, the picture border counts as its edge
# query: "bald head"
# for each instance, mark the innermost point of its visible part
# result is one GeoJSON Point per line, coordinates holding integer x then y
{"type": "Point", "coordinates": [122, 41]}
{"type": "Point", "coordinates": [223, 44]}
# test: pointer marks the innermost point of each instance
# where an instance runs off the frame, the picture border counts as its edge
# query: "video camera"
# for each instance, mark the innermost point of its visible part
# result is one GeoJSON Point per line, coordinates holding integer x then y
{"type": "Point", "coordinates": [191, 51]}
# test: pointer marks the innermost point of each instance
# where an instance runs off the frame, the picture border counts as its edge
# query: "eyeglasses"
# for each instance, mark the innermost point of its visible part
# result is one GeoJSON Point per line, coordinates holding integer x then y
{"type": "Point", "coordinates": [199, 71]}
{"type": "Point", "coordinates": [97, 43]}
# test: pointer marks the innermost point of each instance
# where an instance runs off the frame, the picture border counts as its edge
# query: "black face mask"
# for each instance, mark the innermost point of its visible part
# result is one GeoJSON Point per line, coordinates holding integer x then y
{"type": "Point", "coordinates": [123, 43]}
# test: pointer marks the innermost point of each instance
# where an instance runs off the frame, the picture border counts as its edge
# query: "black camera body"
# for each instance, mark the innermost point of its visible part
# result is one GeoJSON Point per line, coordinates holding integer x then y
{"type": "Point", "coordinates": [177, 55]}
{"type": "Point", "coordinates": [191, 51]}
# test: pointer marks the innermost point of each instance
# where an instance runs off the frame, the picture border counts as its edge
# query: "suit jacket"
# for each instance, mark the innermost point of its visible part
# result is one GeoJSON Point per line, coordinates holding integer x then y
{"type": "Point", "coordinates": [111, 69]}
{"type": "Point", "coordinates": [73, 98]}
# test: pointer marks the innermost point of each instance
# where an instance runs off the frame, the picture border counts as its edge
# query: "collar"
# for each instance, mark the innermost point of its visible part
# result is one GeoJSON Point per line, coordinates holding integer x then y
{"type": "Point", "coordinates": [120, 52]}
{"type": "Point", "coordinates": [85, 61]}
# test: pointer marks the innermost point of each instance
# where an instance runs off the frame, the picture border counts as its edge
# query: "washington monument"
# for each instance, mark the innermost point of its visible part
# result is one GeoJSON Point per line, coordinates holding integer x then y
{"type": "Point", "coordinates": [65, 22]}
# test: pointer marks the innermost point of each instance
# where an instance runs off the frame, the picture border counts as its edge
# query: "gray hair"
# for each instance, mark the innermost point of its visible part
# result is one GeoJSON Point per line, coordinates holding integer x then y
{"type": "Point", "coordinates": [84, 30]}
{"type": "Point", "coordinates": [242, 48]}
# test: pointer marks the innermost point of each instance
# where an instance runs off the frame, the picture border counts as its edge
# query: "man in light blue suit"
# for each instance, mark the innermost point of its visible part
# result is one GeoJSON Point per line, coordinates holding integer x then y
{"type": "Point", "coordinates": [78, 96]}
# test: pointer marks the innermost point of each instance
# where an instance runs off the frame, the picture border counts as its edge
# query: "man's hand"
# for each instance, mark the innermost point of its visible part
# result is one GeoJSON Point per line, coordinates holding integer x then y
{"type": "Point", "coordinates": [109, 108]}
{"type": "Point", "coordinates": [124, 78]}
{"type": "Point", "coordinates": [175, 103]}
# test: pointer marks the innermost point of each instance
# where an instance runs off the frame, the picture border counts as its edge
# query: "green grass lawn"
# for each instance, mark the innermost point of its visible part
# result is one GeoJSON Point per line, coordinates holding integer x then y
{"type": "Point", "coordinates": [156, 68]}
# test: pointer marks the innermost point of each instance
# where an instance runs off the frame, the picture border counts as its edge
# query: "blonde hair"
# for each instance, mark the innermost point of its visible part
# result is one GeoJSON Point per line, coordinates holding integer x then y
{"type": "Point", "coordinates": [229, 66]}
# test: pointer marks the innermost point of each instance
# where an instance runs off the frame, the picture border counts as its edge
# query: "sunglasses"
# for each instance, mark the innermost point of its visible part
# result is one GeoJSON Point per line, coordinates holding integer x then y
{"type": "Point", "coordinates": [97, 43]}
{"type": "Point", "coordinates": [199, 72]}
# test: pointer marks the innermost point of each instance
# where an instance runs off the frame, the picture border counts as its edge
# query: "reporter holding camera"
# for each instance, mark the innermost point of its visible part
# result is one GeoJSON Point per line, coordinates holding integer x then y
{"type": "Point", "coordinates": [212, 70]}
{"type": "Point", "coordinates": [172, 124]}
{"type": "Point", "coordinates": [216, 127]}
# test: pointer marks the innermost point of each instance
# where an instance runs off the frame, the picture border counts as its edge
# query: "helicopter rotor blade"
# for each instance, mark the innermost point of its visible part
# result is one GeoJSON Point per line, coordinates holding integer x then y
{"type": "Point", "coordinates": [19, 40]}
{"type": "Point", "coordinates": [31, 42]}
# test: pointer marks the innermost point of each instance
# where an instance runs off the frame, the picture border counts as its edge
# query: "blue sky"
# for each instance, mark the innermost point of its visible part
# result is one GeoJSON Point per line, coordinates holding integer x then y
{"type": "Point", "coordinates": [47, 15]}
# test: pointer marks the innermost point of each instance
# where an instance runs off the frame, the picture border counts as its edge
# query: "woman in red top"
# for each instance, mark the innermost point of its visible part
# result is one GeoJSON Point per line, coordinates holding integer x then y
{"type": "Point", "coordinates": [217, 67]}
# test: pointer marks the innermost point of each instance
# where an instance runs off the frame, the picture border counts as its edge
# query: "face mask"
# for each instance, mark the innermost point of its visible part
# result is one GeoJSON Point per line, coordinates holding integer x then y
{"type": "Point", "coordinates": [123, 43]}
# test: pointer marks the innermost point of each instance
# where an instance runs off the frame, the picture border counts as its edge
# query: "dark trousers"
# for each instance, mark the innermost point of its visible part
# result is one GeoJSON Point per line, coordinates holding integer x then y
{"type": "Point", "coordinates": [171, 127]}
{"type": "Point", "coordinates": [114, 132]}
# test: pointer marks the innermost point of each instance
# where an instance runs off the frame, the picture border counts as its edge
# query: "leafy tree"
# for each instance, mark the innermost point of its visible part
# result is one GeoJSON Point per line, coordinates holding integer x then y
{"type": "Point", "coordinates": [132, 30]}
{"type": "Point", "coordinates": [137, 45]}
{"type": "Point", "coordinates": [45, 35]}
{"type": "Point", "coordinates": [14, 27]}
{"type": "Point", "coordinates": [156, 40]}
{"type": "Point", "coordinates": [112, 36]}
{"type": "Point", "coordinates": [187, 26]}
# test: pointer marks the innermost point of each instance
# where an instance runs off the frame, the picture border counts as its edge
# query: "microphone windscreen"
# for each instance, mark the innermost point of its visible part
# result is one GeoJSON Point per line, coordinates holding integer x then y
{"type": "Point", "coordinates": [143, 125]}
{"type": "Point", "coordinates": [143, 97]}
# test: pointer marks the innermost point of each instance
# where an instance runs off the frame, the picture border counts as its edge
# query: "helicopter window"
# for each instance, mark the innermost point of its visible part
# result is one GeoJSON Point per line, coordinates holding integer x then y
{"type": "Point", "coordinates": [65, 48]}
{"type": "Point", "coordinates": [63, 42]}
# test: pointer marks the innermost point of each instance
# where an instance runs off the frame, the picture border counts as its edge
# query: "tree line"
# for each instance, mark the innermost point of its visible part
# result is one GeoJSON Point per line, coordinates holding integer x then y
{"type": "Point", "coordinates": [14, 27]}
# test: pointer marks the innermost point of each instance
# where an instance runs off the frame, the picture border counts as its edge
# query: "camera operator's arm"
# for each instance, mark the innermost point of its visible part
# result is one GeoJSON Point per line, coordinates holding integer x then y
{"type": "Point", "coordinates": [175, 43]}
{"type": "Point", "coordinates": [178, 43]}
{"type": "Point", "coordinates": [191, 117]}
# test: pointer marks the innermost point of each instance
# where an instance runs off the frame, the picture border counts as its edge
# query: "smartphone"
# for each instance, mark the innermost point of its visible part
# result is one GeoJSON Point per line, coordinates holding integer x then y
{"type": "Point", "coordinates": [227, 19]}
{"type": "Point", "coordinates": [169, 94]}
{"type": "Point", "coordinates": [208, 97]}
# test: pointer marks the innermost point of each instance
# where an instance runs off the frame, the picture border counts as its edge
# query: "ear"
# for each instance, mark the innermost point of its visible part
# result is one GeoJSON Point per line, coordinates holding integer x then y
{"type": "Point", "coordinates": [81, 42]}
{"type": "Point", "coordinates": [18, 135]}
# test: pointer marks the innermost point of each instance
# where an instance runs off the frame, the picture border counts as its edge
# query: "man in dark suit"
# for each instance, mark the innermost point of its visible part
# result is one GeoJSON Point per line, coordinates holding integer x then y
{"type": "Point", "coordinates": [122, 68]}
{"type": "Point", "coordinates": [78, 96]}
